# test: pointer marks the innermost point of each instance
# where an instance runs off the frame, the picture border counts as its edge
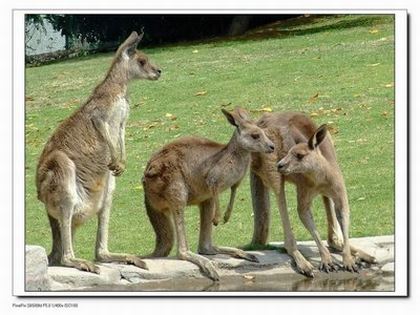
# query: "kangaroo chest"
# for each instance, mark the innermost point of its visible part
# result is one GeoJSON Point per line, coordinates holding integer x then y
{"type": "Point", "coordinates": [227, 174]}
{"type": "Point", "coordinates": [118, 117]}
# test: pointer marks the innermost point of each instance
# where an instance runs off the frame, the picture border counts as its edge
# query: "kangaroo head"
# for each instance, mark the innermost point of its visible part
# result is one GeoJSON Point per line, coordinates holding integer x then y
{"type": "Point", "coordinates": [249, 136]}
{"type": "Point", "coordinates": [136, 64]}
{"type": "Point", "coordinates": [304, 157]}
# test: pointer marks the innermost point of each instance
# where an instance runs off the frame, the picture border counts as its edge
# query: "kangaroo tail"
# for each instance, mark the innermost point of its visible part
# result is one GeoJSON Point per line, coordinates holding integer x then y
{"type": "Point", "coordinates": [164, 230]}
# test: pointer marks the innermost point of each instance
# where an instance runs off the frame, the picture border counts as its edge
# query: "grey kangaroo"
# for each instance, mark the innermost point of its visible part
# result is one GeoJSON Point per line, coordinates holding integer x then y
{"type": "Point", "coordinates": [304, 156]}
{"type": "Point", "coordinates": [76, 172]}
{"type": "Point", "coordinates": [194, 171]}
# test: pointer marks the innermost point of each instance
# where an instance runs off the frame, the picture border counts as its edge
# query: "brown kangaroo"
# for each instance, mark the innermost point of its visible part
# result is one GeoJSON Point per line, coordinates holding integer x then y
{"type": "Point", "coordinates": [193, 171]}
{"type": "Point", "coordinates": [75, 174]}
{"type": "Point", "coordinates": [304, 156]}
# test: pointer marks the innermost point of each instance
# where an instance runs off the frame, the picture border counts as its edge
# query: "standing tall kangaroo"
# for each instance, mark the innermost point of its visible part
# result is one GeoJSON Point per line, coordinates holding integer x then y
{"type": "Point", "coordinates": [193, 171]}
{"type": "Point", "coordinates": [76, 172]}
{"type": "Point", "coordinates": [306, 157]}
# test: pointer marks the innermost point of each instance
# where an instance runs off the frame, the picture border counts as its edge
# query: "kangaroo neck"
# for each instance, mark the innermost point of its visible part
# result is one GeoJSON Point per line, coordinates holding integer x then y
{"type": "Point", "coordinates": [227, 166]}
{"type": "Point", "coordinates": [234, 149]}
{"type": "Point", "coordinates": [116, 81]}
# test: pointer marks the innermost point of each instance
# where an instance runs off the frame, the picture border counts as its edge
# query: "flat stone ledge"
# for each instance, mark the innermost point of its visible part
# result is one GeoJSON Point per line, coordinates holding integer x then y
{"type": "Point", "coordinates": [274, 272]}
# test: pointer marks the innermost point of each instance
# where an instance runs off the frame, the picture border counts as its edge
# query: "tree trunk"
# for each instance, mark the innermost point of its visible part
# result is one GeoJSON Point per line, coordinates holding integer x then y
{"type": "Point", "coordinates": [239, 25]}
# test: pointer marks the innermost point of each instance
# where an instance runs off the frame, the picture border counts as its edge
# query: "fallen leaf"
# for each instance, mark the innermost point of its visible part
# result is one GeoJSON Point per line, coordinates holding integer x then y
{"type": "Point", "coordinates": [139, 187]}
{"type": "Point", "coordinates": [170, 116]}
{"type": "Point", "coordinates": [201, 93]}
{"type": "Point", "coordinates": [173, 127]}
{"type": "Point", "coordinates": [374, 64]}
{"type": "Point", "coordinates": [314, 114]}
{"type": "Point", "coordinates": [374, 31]}
{"type": "Point", "coordinates": [150, 126]}
{"type": "Point", "coordinates": [389, 85]}
{"type": "Point", "coordinates": [195, 51]}
{"type": "Point", "coordinates": [29, 98]}
{"type": "Point", "coordinates": [266, 109]}
{"type": "Point", "coordinates": [385, 114]}
{"type": "Point", "coordinates": [361, 198]}
{"type": "Point", "coordinates": [263, 109]}
{"type": "Point", "coordinates": [313, 98]}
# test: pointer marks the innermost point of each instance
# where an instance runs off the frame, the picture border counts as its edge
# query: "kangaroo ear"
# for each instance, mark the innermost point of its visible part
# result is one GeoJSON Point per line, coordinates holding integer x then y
{"type": "Point", "coordinates": [230, 117]}
{"type": "Point", "coordinates": [242, 113]}
{"type": "Point", "coordinates": [128, 47]}
{"type": "Point", "coordinates": [318, 137]}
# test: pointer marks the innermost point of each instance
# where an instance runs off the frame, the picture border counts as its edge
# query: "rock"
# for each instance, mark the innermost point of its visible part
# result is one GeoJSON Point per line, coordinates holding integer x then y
{"type": "Point", "coordinates": [388, 269]}
{"type": "Point", "coordinates": [36, 264]}
{"type": "Point", "coordinates": [74, 278]}
{"type": "Point", "coordinates": [275, 271]}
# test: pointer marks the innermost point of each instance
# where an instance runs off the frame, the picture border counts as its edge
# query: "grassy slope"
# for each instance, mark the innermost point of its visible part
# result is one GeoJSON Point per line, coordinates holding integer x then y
{"type": "Point", "coordinates": [346, 60]}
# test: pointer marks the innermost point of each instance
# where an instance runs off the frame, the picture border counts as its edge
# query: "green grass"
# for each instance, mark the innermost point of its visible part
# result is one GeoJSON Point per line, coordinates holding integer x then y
{"type": "Point", "coordinates": [348, 61]}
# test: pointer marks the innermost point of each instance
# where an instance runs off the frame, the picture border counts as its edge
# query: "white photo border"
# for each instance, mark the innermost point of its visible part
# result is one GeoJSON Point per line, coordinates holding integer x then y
{"type": "Point", "coordinates": [400, 147]}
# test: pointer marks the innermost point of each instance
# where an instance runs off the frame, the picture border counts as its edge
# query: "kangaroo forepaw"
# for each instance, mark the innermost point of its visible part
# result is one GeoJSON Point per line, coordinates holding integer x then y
{"type": "Point", "coordinates": [226, 218]}
{"type": "Point", "coordinates": [117, 168]}
{"type": "Point", "coordinates": [216, 221]}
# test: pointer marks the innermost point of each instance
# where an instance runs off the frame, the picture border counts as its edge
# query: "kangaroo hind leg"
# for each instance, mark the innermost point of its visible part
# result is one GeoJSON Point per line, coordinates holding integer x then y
{"type": "Point", "coordinates": [102, 252]}
{"type": "Point", "coordinates": [184, 253]}
{"type": "Point", "coordinates": [206, 247]}
{"type": "Point", "coordinates": [61, 199]}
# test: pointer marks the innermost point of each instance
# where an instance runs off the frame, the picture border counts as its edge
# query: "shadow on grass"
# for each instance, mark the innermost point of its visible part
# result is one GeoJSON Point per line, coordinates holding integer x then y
{"type": "Point", "coordinates": [308, 25]}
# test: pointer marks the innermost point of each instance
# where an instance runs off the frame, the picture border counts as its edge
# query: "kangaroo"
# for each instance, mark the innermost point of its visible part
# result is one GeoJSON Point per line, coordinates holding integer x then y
{"type": "Point", "coordinates": [76, 171]}
{"type": "Point", "coordinates": [304, 156]}
{"type": "Point", "coordinates": [194, 171]}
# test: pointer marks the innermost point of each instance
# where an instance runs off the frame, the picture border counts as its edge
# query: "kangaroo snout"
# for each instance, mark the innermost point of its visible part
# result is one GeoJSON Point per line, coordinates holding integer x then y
{"type": "Point", "coordinates": [281, 166]}
{"type": "Point", "coordinates": [270, 148]}
{"type": "Point", "coordinates": [156, 73]}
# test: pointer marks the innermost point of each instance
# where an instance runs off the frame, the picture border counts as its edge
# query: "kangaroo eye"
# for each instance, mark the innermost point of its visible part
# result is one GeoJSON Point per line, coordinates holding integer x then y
{"type": "Point", "coordinates": [255, 136]}
{"type": "Point", "coordinates": [142, 62]}
{"type": "Point", "coordinates": [299, 156]}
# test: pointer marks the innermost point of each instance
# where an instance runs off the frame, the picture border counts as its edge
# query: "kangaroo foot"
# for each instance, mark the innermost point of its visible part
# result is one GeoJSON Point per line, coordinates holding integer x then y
{"type": "Point", "coordinates": [136, 261]}
{"type": "Point", "coordinates": [302, 265]}
{"type": "Point", "coordinates": [121, 258]}
{"type": "Point", "coordinates": [211, 271]}
{"type": "Point", "coordinates": [363, 256]}
{"type": "Point", "coordinates": [204, 263]}
{"type": "Point", "coordinates": [327, 264]}
{"type": "Point", "coordinates": [237, 253]}
{"type": "Point", "coordinates": [356, 252]}
{"type": "Point", "coordinates": [349, 264]}
{"type": "Point", "coordinates": [81, 264]}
